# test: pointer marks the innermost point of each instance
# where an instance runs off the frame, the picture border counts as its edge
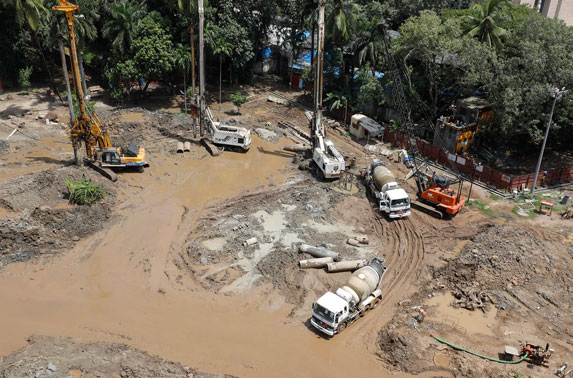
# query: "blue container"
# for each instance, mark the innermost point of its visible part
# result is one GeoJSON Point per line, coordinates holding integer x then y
{"type": "Point", "coordinates": [565, 200]}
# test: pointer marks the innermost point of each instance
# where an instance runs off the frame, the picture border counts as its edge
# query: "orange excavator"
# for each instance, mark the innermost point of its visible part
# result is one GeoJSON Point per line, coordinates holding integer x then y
{"type": "Point", "coordinates": [88, 128]}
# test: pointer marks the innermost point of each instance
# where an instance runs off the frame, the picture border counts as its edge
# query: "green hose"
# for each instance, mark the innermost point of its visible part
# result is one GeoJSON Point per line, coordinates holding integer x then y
{"type": "Point", "coordinates": [479, 355]}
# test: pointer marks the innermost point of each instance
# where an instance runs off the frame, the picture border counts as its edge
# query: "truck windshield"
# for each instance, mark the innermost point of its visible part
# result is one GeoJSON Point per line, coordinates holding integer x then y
{"type": "Point", "coordinates": [324, 313]}
{"type": "Point", "coordinates": [400, 202]}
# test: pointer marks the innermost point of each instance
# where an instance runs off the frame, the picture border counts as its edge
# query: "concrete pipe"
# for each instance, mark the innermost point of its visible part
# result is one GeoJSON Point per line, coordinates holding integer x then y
{"type": "Point", "coordinates": [250, 241]}
{"type": "Point", "coordinates": [187, 146]}
{"type": "Point", "coordinates": [320, 262]}
{"type": "Point", "coordinates": [344, 266]}
{"type": "Point", "coordinates": [353, 242]}
{"type": "Point", "coordinates": [296, 148]}
{"type": "Point", "coordinates": [318, 252]}
{"type": "Point", "coordinates": [362, 239]}
{"type": "Point", "coordinates": [180, 147]}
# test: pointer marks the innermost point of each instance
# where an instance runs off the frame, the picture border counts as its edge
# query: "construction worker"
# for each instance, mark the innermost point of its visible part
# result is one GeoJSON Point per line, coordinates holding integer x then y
{"type": "Point", "coordinates": [399, 156]}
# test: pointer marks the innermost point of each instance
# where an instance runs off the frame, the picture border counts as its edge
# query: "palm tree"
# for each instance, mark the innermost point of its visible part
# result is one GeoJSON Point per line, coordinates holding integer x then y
{"type": "Point", "coordinates": [341, 21]}
{"type": "Point", "coordinates": [28, 12]}
{"type": "Point", "coordinates": [121, 27]}
{"type": "Point", "coordinates": [483, 25]}
{"type": "Point", "coordinates": [370, 43]}
{"type": "Point", "coordinates": [222, 48]}
{"type": "Point", "coordinates": [340, 24]}
{"type": "Point", "coordinates": [31, 13]}
{"type": "Point", "coordinates": [183, 62]}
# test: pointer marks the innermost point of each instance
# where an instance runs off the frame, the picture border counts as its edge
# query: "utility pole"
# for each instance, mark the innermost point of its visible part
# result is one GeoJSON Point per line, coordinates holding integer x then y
{"type": "Point", "coordinates": [201, 70]}
{"type": "Point", "coordinates": [557, 94]}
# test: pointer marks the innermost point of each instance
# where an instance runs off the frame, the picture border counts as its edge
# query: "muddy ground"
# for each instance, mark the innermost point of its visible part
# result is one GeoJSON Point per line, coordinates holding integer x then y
{"type": "Point", "coordinates": [159, 264]}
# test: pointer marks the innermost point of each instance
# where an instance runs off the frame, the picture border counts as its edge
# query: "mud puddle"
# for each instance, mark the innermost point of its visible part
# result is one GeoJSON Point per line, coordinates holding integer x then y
{"type": "Point", "coordinates": [465, 321]}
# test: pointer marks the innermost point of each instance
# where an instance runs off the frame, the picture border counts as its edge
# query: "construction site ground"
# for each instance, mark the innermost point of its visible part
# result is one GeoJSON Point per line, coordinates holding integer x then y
{"type": "Point", "coordinates": [154, 281]}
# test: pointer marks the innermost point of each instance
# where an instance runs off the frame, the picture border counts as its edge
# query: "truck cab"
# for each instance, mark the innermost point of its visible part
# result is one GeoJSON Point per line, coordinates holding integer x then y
{"type": "Point", "coordinates": [329, 312]}
{"type": "Point", "coordinates": [395, 203]}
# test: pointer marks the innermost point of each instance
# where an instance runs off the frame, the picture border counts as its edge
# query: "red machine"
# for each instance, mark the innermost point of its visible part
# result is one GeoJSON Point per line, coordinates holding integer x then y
{"type": "Point", "coordinates": [536, 354]}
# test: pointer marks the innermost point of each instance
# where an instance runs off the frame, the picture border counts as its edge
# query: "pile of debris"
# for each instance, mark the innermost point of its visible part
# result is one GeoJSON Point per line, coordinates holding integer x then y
{"type": "Point", "coordinates": [53, 357]}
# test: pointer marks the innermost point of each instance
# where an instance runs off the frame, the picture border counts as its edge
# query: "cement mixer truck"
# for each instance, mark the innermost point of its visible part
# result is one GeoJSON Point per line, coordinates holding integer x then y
{"type": "Point", "coordinates": [332, 313]}
{"type": "Point", "coordinates": [392, 200]}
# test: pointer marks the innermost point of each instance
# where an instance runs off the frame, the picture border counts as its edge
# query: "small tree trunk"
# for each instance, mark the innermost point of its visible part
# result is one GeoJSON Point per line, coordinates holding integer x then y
{"type": "Point", "coordinates": [50, 77]}
{"type": "Point", "coordinates": [192, 42]}
{"type": "Point", "coordinates": [185, 91]}
{"type": "Point", "coordinates": [220, 77]}
{"type": "Point", "coordinates": [230, 76]}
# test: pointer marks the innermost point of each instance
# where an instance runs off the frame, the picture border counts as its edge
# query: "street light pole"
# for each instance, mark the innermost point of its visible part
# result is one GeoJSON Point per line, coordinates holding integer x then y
{"type": "Point", "coordinates": [557, 94]}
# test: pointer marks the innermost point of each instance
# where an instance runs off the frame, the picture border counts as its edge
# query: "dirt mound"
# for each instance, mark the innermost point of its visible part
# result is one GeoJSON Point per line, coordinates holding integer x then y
{"type": "Point", "coordinates": [522, 271]}
{"type": "Point", "coordinates": [509, 261]}
{"type": "Point", "coordinates": [53, 357]}
{"type": "Point", "coordinates": [44, 188]}
{"type": "Point", "coordinates": [45, 223]}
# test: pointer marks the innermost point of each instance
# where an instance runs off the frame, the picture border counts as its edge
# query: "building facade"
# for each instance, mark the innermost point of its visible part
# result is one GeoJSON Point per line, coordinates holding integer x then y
{"type": "Point", "coordinates": [560, 9]}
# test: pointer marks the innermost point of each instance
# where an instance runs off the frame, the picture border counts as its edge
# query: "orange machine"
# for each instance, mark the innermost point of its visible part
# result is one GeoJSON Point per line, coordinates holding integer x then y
{"type": "Point", "coordinates": [439, 194]}
{"type": "Point", "coordinates": [88, 128]}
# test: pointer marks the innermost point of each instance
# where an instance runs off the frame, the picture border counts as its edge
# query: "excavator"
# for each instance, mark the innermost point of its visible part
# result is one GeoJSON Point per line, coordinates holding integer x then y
{"type": "Point", "coordinates": [435, 193]}
{"type": "Point", "coordinates": [215, 134]}
{"type": "Point", "coordinates": [328, 162]}
{"type": "Point", "coordinates": [88, 128]}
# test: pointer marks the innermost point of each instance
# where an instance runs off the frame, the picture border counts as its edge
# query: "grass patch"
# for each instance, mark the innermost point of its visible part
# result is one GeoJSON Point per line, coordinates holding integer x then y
{"type": "Point", "coordinates": [494, 197]}
{"type": "Point", "coordinates": [482, 207]}
{"type": "Point", "coordinates": [84, 192]}
{"type": "Point", "coordinates": [535, 199]}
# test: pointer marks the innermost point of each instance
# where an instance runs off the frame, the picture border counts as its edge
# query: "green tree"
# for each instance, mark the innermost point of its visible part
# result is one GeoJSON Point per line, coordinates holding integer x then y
{"type": "Point", "coordinates": [370, 92]}
{"type": "Point", "coordinates": [153, 57]}
{"type": "Point", "coordinates": [340, 24]}
{"type": "Point", "coordinates": [370, 43]}
{"type": "Point", "coordinates": [338, 100]}
{"type": "Point", "coordinates": [122, 25]}
{"type": "Point", "coordinates": [430, 51]}
{"type": "Point", "coordinates": [28, 12]}
{"type": "Point", "coordinates": [484, 24]}
{"type": "Point", "coordinates": [341, 21]}
{"type": "Point", "coordinates": [238, 99]}
{"type": "Point", "coordinates": [221, 48]}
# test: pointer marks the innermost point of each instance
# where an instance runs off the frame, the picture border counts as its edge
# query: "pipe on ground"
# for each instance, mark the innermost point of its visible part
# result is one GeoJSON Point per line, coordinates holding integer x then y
{"type": "Point", "coordinates": [296, 148]}
{"type": "Point", "coordinates": [344, 266]}
{"type": "Point", "coordinates": [318, 252]}
{"type": "Point", "coordinates": [320, 262]}
{"type": "Point", "coordinates": [250, 241]}
{"type": "Point", "coordinates": [180, 147]}
{"type": "Point", "coordinates": [187, 146]}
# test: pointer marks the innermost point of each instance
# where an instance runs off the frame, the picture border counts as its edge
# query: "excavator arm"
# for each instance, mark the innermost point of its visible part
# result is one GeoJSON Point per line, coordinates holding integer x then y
{"type": "Point", "coordinates": [88, 126]}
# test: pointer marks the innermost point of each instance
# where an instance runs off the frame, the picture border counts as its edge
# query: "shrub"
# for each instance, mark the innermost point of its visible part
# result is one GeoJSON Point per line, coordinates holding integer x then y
{"type": "Point", "coordinates": [238, 99]}
{"type": "Point", "coordinates": [84, 192]}
{"type": "Point", "coordinates": [24, 78]}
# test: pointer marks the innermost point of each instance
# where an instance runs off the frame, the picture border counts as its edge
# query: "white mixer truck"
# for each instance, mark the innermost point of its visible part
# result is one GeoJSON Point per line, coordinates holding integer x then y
{"type": "Point", "coordinates": [332, 313]}
{"type": "Point", "coordinates": [392, 200]}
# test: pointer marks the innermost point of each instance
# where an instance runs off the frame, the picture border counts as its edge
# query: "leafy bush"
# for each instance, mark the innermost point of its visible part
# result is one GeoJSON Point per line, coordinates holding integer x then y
{"type": "Point", "coordinates": [24, 77]}
{"type": "Point", "coordinates": [238, 99]}
{"type": "Point", "coordinates": [84, 192]}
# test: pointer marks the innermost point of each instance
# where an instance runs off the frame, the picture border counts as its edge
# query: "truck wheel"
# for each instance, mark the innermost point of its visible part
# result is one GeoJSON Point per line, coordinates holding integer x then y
{"type": "Point", "coordinates": [366, 309]}
{"type": "Point", "coordinates": [341, 327]}
{"type": "Point", "coordinates": [140, 169]}
{"type": "Point", "coordinates": [375, 303]}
